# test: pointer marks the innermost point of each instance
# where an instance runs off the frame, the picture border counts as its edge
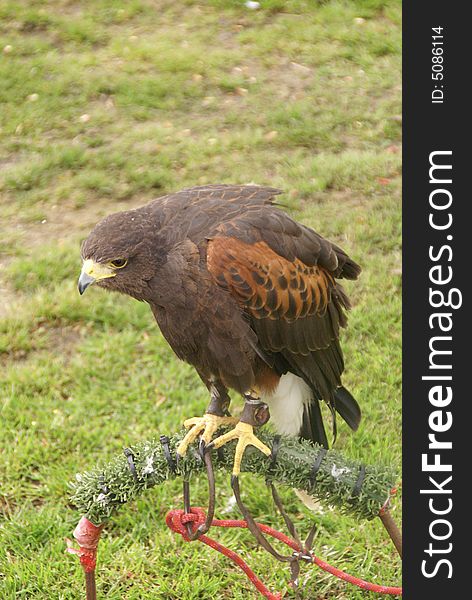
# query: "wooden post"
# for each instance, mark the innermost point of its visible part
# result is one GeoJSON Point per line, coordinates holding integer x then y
{"type": "Point", "coordinates": [392, 529]}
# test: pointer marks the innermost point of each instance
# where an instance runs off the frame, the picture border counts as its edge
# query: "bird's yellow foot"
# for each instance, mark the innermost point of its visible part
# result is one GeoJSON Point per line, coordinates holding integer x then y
{"type": "Point", "coordinates": [244, 433]}
{"type": "Point", "coordinates": [206, 426]}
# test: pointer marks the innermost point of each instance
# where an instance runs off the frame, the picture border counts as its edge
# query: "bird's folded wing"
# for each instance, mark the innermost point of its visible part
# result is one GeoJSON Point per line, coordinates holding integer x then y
{"type": "Point", "coordinates": [293, 306]}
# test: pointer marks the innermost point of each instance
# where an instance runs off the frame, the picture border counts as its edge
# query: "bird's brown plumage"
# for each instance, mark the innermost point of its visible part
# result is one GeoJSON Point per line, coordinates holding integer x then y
{"type": "Point", "coordinates": [239, 289]}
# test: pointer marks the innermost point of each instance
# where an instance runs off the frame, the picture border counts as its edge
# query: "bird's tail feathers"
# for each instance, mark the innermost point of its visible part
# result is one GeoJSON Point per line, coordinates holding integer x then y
{"type": "Point", "coordinates": [312, 425]}
{"type": "Point", "coordinates": [346, 405]}
{"type": "Point", "coordinates": [342, 402]}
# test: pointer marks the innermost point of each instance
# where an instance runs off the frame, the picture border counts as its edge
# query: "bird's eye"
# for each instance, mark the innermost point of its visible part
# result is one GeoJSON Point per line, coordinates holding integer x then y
{"type": "Point", "coordinates": [119, 263]}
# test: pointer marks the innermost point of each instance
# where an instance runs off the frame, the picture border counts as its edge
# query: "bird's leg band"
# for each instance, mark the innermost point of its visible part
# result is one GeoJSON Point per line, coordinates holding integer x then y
{"type": "Point", "coordinates": [219, 402]}
{"type": "Point", "coordinates": [255, 412]}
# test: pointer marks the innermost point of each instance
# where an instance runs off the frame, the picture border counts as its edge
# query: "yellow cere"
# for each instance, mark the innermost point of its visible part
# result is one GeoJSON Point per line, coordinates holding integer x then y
{"type": "Point", "coordinates": [96, 270]}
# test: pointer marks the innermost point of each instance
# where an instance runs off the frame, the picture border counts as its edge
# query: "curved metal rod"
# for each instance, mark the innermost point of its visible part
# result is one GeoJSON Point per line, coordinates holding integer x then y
{"type": "Point", "coordinates": [252, 525]}
{"type": "Point", "coordinates": [288, 521]}
{"type": "Point", "coordinates": [204, 527]}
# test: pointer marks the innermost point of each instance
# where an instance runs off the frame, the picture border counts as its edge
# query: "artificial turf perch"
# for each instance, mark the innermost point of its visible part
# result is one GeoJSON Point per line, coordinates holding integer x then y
{"type": "Point", "coordinates": [354, 489]}
{"type": "Point", "coordinates": [359, 490]}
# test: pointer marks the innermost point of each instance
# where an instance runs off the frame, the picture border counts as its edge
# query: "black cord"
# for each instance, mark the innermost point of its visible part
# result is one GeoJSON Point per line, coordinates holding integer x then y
{"type": "Point", "coordinates": [316, 465]}
{"type": "Point", "coordinates": [167, 453]}
{"type": "Point", "coordinates": [273, 456]}
{"type": "Point", "coordinates": [356, 490]}
{"type": "Point", "coordinates": [103, 486]}
{"type": "Point", "coordinates": [130, 458]}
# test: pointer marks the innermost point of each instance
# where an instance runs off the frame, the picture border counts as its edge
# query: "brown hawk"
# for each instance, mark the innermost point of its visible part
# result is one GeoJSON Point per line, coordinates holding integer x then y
{"type": "Point", "coordinates": [242, 292]}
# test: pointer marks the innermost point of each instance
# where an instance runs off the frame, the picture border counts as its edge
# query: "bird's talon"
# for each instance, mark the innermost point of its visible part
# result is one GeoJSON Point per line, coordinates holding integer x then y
{"type": "Point", "coordinates": [244, 433]}
{"type": "Point", "coordinates": [194, 421]}
{"type": "Point", "coordinates": [207, 425]}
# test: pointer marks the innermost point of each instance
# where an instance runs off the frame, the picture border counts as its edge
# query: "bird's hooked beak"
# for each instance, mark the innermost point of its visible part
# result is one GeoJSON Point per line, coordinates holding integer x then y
{"type": "Point", "coordinates": [92, 272]}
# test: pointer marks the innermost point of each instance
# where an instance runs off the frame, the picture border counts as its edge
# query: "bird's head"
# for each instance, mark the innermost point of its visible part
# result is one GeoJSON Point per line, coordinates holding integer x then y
{"type": "Point", "coordinates": [117, 255]}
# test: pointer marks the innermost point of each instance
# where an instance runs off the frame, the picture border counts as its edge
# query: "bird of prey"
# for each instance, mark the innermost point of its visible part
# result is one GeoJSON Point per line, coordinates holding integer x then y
{"type": "Point", "coordinates": [246, 295]}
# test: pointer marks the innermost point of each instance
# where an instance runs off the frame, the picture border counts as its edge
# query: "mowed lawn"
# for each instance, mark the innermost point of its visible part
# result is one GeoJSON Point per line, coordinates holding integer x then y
{"type": "Point", "coordinates": [105, 105]}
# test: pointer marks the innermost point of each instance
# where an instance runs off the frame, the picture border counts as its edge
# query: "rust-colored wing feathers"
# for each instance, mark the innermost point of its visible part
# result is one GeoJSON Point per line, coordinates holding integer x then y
{"type": "Point", "coordinates": [292, 306]}
{"type": "Point", "coordinates": [269, 285]}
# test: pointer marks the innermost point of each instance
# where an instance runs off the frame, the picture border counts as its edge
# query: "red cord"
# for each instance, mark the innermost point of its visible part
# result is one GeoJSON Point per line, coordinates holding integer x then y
{"type": "Point", "coordinates": [176, 520]}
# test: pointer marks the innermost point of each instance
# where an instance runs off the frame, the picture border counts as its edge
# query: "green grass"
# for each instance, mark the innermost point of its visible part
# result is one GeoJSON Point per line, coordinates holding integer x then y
{"type": "Point", "coordinates": [105, 105]}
